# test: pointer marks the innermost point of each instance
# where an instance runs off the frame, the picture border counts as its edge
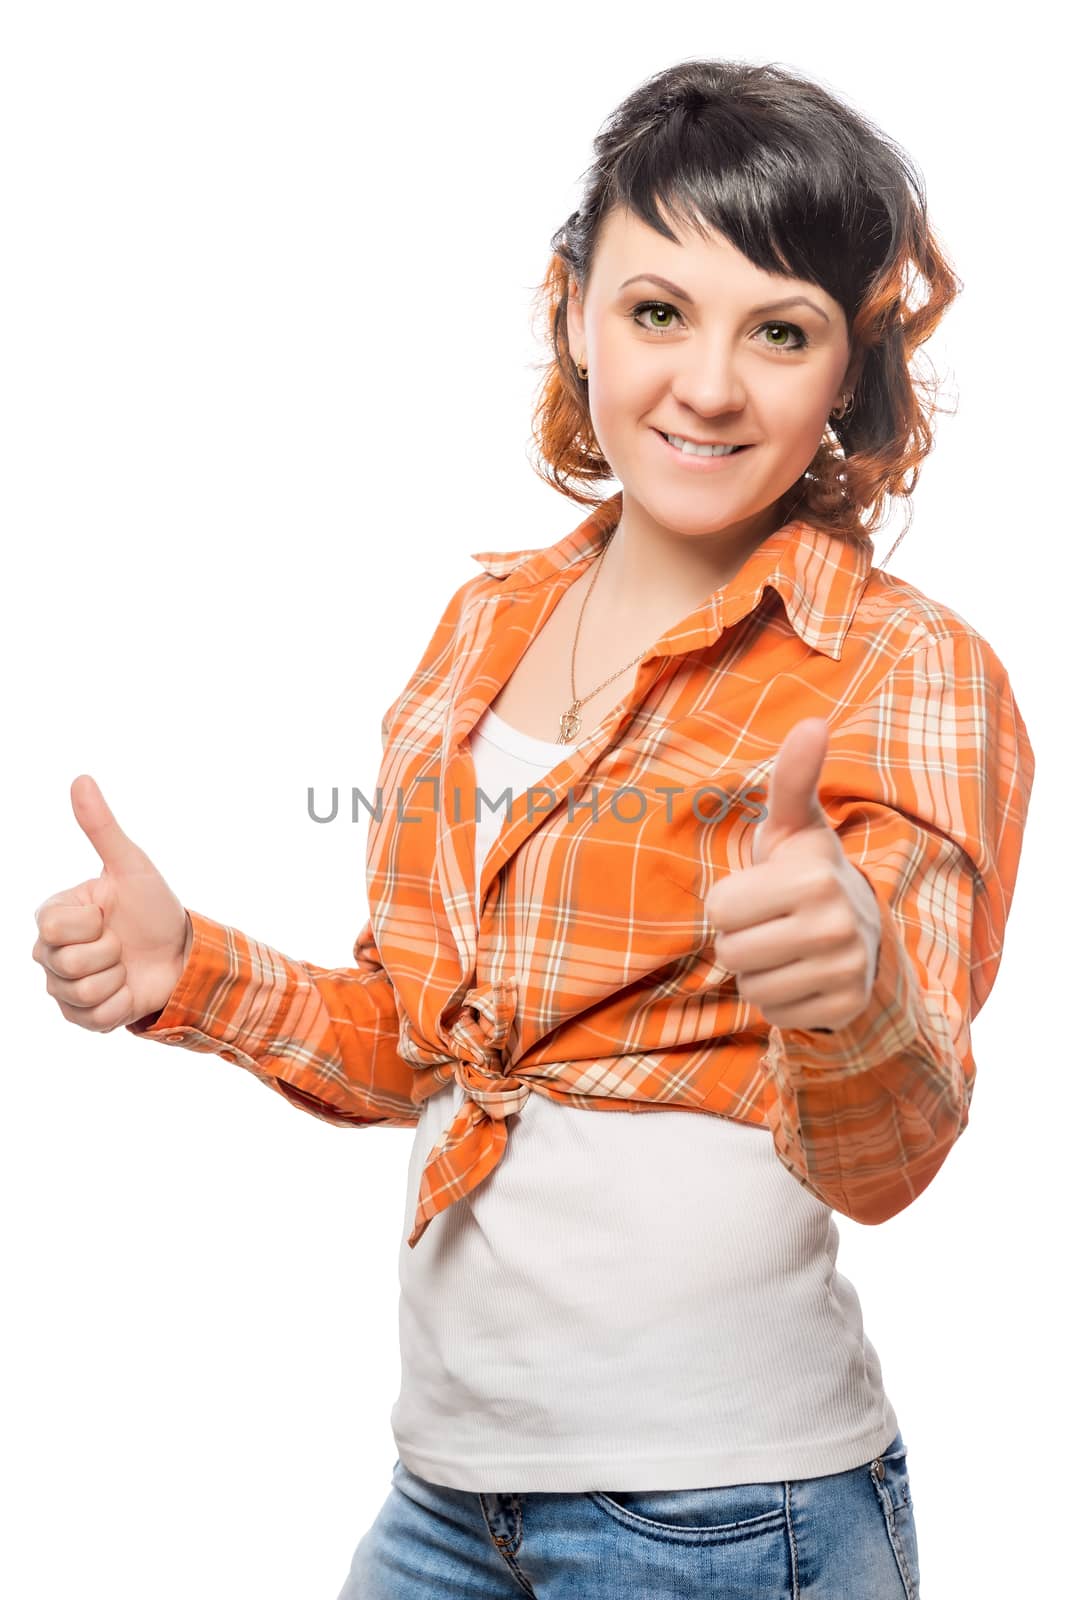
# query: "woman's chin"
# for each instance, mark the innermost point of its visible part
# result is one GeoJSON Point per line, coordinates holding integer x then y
{"type": "Point", "coordinates": [689, 508]}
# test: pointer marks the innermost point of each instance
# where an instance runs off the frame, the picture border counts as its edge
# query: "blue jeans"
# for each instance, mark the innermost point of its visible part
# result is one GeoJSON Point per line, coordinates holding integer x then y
{"type": "Point", "coordinates": [847, 1536]}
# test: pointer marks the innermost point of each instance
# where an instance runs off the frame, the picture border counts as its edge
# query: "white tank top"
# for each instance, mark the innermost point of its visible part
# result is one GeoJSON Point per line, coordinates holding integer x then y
{"type": "Point", "coordinates": [626, 1302]}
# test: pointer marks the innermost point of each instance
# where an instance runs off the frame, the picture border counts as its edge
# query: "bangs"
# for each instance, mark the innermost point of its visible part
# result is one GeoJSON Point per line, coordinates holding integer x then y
{"type": "Point", "coordinates": [790, 204]}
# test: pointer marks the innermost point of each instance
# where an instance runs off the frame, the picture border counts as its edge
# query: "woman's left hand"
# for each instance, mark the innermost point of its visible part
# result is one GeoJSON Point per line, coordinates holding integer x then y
{"type": "Point", "coordinates": [800, 928]}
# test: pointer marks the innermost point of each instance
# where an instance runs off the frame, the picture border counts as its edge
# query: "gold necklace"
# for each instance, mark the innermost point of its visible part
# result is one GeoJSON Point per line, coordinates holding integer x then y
{"type": "Point", "coordinates": [570, 721]}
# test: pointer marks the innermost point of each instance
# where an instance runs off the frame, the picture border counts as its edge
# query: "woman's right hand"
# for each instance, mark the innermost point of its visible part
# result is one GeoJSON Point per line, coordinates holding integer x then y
{"type": "Point", "coordinates": [113, 947]}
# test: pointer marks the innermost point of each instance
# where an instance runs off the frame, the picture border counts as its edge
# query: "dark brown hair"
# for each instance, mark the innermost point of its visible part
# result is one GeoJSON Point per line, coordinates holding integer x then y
{"type": "Point", "coordinates": [800, 184]}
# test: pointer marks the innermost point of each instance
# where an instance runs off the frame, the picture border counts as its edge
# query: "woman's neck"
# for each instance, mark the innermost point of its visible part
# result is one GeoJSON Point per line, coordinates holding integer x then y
{"type": "Point", "coordinates": [646, 567]}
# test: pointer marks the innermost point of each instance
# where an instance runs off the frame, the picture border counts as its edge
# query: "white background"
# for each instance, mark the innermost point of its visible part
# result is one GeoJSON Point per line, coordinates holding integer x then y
{"type": "Point", "coordinates": [267, 376]}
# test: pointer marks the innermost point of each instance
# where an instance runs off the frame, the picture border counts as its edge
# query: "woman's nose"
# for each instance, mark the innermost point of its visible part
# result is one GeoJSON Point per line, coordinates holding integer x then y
{"type": "Point", "coordinates": [705, 378]}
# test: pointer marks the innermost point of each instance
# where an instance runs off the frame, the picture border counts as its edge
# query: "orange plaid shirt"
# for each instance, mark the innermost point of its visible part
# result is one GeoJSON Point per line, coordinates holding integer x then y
{"type": "Point", "coordinates": [581, 966]}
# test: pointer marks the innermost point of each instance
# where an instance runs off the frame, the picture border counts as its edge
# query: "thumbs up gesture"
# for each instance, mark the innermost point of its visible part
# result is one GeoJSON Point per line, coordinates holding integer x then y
{"type": "Point", "coordinates": [800, 928]}
{"type": "Point", "coordinates": [114, 946]}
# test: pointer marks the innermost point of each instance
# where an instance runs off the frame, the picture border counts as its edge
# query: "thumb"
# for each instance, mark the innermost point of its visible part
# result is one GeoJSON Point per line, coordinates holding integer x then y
{"type": "Point", "coordinates": [793, 786]}
{"type": "Point", "coordinates": [94, 816]}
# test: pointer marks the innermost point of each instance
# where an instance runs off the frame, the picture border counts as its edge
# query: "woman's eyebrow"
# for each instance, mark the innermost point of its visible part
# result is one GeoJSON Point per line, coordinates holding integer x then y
{"type": "Point", "coordinates": [680, 294]}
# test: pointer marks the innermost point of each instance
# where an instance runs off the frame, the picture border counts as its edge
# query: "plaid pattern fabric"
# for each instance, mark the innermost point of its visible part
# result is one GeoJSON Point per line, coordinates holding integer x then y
{"type": "Point", "coordinates": [580, 967]}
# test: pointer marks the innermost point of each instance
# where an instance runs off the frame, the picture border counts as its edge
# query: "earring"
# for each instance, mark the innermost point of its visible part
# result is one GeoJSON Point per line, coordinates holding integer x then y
{"type": "Point", "coordinates": [844, 409]}
{"type": "Point", "coordinates": [582, 370]}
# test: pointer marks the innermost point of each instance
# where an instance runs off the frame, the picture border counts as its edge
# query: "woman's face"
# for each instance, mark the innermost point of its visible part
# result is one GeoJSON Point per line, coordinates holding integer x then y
{"type": "Point", "coordinates": [710, 362]}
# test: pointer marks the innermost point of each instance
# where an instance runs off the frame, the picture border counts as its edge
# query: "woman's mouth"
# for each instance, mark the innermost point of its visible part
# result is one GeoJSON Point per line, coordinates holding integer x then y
{"type": "Point", "coordinates": [697, 460]}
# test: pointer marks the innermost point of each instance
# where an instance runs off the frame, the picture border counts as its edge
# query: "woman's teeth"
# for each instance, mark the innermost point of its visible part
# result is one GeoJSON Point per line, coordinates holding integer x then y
{"type": "Point", "coordinates": [689, 448]}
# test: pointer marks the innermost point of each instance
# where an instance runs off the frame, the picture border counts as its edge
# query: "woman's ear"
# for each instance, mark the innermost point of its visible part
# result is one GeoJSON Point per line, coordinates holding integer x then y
{"type": "Point", "coordinates": [854, 370]}
{"type": "Point", "coordinates": [576, 322]}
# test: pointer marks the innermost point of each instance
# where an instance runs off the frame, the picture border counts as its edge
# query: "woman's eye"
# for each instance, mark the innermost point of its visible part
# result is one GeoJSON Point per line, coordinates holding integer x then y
{"type": "Point", "coordinates": [653, 305]}
{"type": "Point", "coordinates": [660, 306]}
{"type": "Point", "coordinates": [787, 327]}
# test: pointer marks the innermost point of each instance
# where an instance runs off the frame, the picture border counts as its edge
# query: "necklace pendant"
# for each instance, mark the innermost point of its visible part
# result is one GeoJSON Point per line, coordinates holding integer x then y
{"type": "Point", "coordinates": [570, 723]}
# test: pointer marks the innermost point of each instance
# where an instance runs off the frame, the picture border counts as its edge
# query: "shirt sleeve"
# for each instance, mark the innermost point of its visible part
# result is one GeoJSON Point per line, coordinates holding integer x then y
{"type": "Point", "coordinates": [928, 787]}
{"type": "Point", "coordinates": [323, 1038]}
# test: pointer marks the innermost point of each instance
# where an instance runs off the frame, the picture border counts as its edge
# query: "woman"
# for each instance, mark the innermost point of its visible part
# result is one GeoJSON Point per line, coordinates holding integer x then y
{"type": "Point", "coordinates": [774, 807]}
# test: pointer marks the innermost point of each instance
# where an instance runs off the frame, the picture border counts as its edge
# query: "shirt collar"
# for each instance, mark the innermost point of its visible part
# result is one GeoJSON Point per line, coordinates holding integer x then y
{"type": "Point", "coordinates": [819, 577]}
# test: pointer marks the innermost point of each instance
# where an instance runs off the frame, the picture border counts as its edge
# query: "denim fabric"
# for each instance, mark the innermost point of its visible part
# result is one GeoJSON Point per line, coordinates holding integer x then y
{"type": "Point", "coordinates": [847, 1536]}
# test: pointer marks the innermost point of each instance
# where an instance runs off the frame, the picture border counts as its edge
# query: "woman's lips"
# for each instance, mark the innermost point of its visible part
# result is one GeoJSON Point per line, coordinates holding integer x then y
{"type": "Point", "coordinates": [698, 463]}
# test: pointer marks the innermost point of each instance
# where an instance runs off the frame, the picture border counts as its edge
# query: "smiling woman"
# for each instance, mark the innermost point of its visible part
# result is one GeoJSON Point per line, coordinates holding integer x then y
{"type": "Point", "coordinates": [651, 1040]}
